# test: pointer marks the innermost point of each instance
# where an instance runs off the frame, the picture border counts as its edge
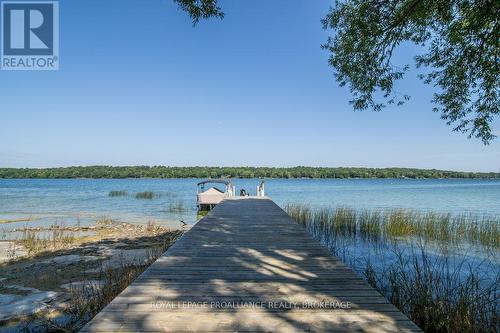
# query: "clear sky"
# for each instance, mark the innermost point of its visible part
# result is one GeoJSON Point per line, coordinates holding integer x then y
{"type": "Point", "coordinates": [138, 84]}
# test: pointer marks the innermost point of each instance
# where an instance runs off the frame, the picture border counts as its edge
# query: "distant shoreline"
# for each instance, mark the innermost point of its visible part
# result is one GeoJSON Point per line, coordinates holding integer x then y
{"type": "Point", "coordinates": [164, 172]}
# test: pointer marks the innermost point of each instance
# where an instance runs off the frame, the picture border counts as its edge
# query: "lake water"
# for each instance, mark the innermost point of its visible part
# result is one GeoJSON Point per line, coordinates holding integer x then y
{"type": "Point", "coordinates": [71, 201]}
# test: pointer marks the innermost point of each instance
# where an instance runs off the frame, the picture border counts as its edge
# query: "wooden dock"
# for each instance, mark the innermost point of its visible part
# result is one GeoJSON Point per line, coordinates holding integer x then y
{"type": "Point", "coordinates": [247, 267]}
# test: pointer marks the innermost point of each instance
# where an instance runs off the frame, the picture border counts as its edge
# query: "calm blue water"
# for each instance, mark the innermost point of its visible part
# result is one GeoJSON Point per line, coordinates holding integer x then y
{"type": "Point", "coordinates": [85, 200]}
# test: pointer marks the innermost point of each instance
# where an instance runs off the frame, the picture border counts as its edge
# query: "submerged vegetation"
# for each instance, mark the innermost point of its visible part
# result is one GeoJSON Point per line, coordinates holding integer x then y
{"type": "Point", "coordinates": [234, 172]}
{"type": "Point", "coordinates": [117, 193]}
{"type": "Point", "coordinates": [422, 262]}
{"type": "Point", "coordinates": [177, 207]}
{"type": "Point", "coordinates": [439, 293]}
{"type": "Point", "coordinates": [144, 195]}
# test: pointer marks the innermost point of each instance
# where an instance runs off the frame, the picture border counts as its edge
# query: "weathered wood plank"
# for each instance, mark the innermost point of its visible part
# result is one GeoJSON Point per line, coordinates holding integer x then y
{"type": "Point", "coordinates": [247, 267]}
{"type": "Point", "coordinates": [358, 299]}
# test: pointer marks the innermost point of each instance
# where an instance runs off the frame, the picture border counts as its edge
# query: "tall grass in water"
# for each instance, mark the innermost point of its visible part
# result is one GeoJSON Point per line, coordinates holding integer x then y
{"type": "Point", "coordinates": [117, 194]}
{"type": "Point", "coordinates": [436, 294]}
{"type": "Point", "coordinates": [437, 288]}
{"type": "Point", "coordinates": [145, 195]}
{"type": "Point", "coordinates": [480, 230]}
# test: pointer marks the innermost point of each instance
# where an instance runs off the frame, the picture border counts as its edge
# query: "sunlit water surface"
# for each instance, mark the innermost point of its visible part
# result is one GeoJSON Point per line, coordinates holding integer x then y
{"type": "Point", "coordinates": [43, 202]}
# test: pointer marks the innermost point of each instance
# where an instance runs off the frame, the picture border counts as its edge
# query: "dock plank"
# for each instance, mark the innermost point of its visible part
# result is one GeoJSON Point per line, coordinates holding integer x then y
{"type": "Point", "coordinates": [248, 267]}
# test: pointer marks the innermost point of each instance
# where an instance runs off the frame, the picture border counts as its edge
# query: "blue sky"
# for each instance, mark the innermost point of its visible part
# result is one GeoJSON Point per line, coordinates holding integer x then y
{"type": "Point", "coordinates": [138, 84]}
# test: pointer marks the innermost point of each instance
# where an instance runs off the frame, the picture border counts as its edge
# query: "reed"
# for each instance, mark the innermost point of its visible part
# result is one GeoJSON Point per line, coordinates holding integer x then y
{"type": "Point", "coordinates": [117, 194]}
{"type": "Point", "coordinates": [436, 294]}
{"type": "Point", "coordinates": [438, 289]}
{"type": "Point", "coordinates": [58, 238]}
{"type": "Point", "coordinates": [396, 223]}
{"type": "Point", "coordinates": [151, 226]}
{"type": "Point", "coordinates": [145, 195]}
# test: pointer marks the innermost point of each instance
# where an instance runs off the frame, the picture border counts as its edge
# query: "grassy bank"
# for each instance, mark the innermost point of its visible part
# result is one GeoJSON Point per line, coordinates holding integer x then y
{"type": "Point", "coordinates": [414, 260]}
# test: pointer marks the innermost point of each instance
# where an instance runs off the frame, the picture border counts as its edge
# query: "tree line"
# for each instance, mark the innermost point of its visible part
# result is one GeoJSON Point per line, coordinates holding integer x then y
{"type": "Point", "coordinates": [234, 172]}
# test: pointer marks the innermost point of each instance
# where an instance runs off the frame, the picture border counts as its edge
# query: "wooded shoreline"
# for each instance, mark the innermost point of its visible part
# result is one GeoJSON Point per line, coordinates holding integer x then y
{"type": "Point", "coordinates": [119, 172]}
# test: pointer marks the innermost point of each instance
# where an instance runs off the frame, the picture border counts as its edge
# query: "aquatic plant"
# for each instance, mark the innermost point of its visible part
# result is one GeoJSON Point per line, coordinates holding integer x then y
{"type": "Point", "coordinates": [201, 214]}
{"type": "Point", "coordinates": [391, 224]}
{"type": "Point", "coordinates": [417, 264]}
{"type": "Point", "coordinates": [35, 243]}
{"type": "Point", "coordinates": [117, 193]}
{"type": "Point", "coordinates": [105, 220]}
{"type": "Point", "coordinates": [144, 195]}
{"type": "Point", "coordinates": [436, 293]}
{"type": "Point", "coordinates": [151, 226]}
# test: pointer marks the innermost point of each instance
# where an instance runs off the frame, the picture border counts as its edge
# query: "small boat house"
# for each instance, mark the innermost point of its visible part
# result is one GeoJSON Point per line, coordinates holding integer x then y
{"type": "Point", "coordinates": [210, 195]}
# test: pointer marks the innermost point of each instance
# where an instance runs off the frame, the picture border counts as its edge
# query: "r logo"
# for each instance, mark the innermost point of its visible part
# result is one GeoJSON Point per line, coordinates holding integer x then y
{"type": "Point", "coordinates": [29, 29]}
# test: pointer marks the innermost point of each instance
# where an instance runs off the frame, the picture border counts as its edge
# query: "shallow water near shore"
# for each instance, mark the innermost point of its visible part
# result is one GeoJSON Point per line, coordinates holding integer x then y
{"type": "Point", "coordinates": [43, 202]}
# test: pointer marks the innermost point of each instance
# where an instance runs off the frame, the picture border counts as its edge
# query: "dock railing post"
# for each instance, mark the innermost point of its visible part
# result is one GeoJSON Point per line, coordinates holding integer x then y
{"type": "Point", "coordinates": [260, 189]}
